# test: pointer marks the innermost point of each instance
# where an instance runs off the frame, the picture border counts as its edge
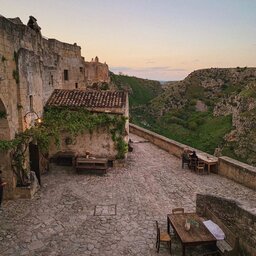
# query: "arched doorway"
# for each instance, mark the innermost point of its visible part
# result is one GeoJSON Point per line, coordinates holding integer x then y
{"type": "Point", "coordinates": [34, 160]}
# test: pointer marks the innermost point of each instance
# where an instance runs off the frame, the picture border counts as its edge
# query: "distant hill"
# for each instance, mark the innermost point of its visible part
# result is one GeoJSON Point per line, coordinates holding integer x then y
{"type": "Point", "coordinates": [141, 92]}
{"type": "Point", "coordinates": [211, 109]}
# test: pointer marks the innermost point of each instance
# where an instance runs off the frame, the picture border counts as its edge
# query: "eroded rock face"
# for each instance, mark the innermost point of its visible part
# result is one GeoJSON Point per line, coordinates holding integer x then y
{"type": "Point", "coordinates": [201, 106]}
{"type": "Point", "coordinates": [243, 109]}
{"type": "Point", "coordinates": [221, 92]}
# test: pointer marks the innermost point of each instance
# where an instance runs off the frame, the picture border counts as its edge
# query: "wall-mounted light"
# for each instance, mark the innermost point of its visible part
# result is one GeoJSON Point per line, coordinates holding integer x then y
{"type": "Point", "coordinates": [37, 120]}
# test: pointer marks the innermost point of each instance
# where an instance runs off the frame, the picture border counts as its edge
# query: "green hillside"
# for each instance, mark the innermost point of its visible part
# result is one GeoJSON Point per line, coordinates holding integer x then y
{"type": "Point", "coordinates": [210, 109]}
{"type": "Point", "coordinates": [141, 91]}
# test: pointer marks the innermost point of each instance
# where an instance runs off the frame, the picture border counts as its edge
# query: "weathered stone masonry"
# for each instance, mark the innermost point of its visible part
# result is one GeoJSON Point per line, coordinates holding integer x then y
{"type": "Point", "coordinates": [31, 67]}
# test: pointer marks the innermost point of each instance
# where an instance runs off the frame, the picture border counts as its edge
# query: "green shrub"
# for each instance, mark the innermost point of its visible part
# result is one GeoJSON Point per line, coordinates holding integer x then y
{"type": "Point", "coordinates": [192, 125]}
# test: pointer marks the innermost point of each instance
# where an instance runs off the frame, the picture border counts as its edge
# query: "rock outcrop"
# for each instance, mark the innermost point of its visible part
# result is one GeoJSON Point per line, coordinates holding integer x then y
{"type": "Point", "coordinates": [219, 92]}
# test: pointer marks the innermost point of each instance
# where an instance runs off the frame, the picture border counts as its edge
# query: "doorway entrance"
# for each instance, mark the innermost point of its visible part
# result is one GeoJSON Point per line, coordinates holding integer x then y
{"type": "Point", "coordinates": [34, 160]}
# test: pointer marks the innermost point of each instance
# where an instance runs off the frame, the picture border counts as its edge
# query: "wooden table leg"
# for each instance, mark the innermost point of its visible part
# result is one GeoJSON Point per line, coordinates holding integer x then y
{"type": "Point", "coordinates": [168, 225]}
{"type": "Point", "coordinates": [183, 250]}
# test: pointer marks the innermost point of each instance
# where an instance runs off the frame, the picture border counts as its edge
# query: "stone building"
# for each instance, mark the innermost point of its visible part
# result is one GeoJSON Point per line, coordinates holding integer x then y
{"type": "Point", "coordinates": [96, 72]}
{"type": "Point", "coordinates": [31, 68]}
{"type": "Point", "coordinates": [98, 143]}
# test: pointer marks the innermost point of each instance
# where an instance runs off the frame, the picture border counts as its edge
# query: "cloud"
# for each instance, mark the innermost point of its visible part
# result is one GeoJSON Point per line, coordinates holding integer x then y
{"type": "Point", "coordinates": [147, 69]}
{"type": "Point", "coordinates": [160, 73]}
{"type": "Point", "coordinates": [150, 61]}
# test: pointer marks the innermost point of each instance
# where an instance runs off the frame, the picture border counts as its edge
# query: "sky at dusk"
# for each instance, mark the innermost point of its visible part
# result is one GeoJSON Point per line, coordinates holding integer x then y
{"type": "Point", "coordinates": [154, 39]}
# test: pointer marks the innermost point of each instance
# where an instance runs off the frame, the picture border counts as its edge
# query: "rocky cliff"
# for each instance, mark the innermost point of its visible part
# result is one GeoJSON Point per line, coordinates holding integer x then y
{"type": "Point", "coordinates": [211, 109]}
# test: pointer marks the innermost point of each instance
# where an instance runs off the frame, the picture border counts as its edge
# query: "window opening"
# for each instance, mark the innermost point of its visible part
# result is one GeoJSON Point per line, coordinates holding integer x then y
{"type": "Point", "coordinates": [65, 74]}
{"type": "Point", "coordinates": [31, 102]}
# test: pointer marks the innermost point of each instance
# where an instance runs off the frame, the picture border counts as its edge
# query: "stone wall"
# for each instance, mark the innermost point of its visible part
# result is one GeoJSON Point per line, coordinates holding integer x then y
{"type": "Point", "coordinates": [7, 175]}
{"type": "Point", "coordinates": [241, 222]}
{"type": "Point", "coordinates": [31, 67]}
{"type": "Point", "coordinates": [237, 171]}
{"type": "Point", "coordinates": [230, 168]}
{"type": "Point", "coordinates": [171, 146]}
{"type": "Point", "coordinates": [96, 72]}
{"type": "Point", "coordinates": [98, 143]}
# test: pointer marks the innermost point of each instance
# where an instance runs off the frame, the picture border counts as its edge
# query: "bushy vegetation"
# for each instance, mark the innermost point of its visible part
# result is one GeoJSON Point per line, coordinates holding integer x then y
{"type": "Point", "coordinates": [141, 91]}
{"type": "Point", "coordinates": [198, 129]}
{"type": "Point", "coordinates": [183, 110]}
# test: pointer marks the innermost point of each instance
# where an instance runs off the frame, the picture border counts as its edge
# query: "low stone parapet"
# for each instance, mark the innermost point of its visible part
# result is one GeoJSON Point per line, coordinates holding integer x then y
{"type": "Point", "coordinates": [240, 172]}
{"type": "Point", "coordinates": [171, 146]}
{"type": "Point", "coordinates": [29, 191]}
{"type": "Point", "coordinates": [239, 220]}
{"type": "Point", "coordinates": [228, 167]}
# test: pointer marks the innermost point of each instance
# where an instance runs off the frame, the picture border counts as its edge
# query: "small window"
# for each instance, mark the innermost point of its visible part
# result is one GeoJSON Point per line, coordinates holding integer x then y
{"type": "Point", "coordinates": [76, 85]}
{"type": "Point", "coordinates": [65, 74]}
{"type": "Point", "coordinates": [31, 102]}
{"type": "Point", "coordinates": [81, 69]}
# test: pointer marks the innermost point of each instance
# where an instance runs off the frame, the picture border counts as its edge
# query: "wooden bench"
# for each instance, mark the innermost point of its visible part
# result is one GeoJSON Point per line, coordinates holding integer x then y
{"type": "Point", "coordinates": [230, 245]}
{"type": "Point", "coordinates": [91, 164]}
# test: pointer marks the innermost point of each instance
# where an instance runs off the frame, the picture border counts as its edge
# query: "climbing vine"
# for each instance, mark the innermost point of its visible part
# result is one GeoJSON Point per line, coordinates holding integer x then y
{"type": "Point", "coordinates": [77, 121]}
{"type": "Point", "coordinates": [56, 121]}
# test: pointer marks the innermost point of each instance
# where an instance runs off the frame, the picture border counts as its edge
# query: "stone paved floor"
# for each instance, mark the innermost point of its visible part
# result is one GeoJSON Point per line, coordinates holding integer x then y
{"type": "Point", "coordinates": [75, 215]}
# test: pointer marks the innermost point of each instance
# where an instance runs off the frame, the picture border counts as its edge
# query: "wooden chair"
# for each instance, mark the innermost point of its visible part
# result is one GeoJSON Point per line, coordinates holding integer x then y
{"type": "Point", "coordinates": [185, 160]}
{"type": "Point", "coordinates": [177, 210]}
{"type": "Point", "coordinates": [193, 163]}
{"type": "Point", "coordinates": [200, 167]}
{"type": "Point", "coordinates": [162, 237]}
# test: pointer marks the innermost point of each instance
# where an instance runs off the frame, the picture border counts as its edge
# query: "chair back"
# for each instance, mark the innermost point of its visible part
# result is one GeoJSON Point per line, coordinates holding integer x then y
{"type": "Point", "coordinates": [178, 210]}
{"type": "Point", "coordinates": [201, 164]}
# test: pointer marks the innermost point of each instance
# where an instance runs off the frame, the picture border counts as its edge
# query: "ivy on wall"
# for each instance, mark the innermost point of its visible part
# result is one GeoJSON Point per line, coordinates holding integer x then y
{"type": "Point", "coordinates": [77, 121]}
{"type": "Point", "coordinates": [56, 121]}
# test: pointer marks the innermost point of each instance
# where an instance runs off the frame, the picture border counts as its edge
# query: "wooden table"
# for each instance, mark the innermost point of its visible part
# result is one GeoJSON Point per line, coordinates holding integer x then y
{"type": "Point", "coordinates": [208, 160]}
{"type": "Point", "coordinates": [195, 236]}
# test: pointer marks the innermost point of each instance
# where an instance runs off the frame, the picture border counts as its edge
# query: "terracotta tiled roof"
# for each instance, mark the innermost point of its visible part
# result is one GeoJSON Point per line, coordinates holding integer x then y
{"type": "Point", "coordinates": [91, 99]}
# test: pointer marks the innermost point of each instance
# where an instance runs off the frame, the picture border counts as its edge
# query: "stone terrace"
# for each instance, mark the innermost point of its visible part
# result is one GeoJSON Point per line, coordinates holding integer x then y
{"type": "Point", "coordinates": [75, 215]}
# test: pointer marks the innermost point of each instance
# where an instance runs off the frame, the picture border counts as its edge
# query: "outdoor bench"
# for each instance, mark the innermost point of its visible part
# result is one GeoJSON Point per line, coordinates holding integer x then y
{"type": "Point", "coordinates": [91, 164]}
{"type": "Point", "coordinates": [230, 245]}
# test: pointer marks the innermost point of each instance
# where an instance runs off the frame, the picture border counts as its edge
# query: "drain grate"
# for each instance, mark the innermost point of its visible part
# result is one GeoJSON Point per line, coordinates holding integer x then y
{"type": "Point", "coordinates": [105, 210]}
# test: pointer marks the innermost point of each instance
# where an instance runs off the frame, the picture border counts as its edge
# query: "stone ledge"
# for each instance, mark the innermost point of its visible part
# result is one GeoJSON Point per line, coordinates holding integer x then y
{"type": "Point", "coordinates": [238, 171]}
{"type": "Point", "coordinates": [238, 219]}
{"type": "Point", "coordinates": [236, 163]}
{"type": "Point", "coordinates": [27, 192]}
{"type": "Point", "coordinates": [173, 147]}
{"type": "Point", "coordinates": [228, 167]}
